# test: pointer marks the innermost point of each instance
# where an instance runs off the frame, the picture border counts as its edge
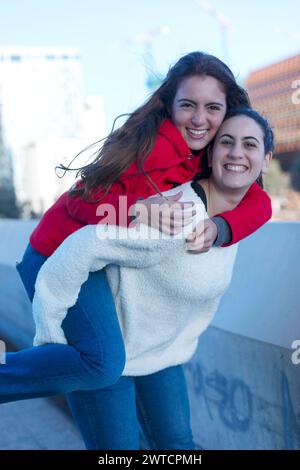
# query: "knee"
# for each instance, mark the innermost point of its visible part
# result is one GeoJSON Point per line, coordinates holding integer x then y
{"type": "Point", "coordinates": [113, 358]}
{"type": "Point", "coordinates": [105, 369]}
{"type": "Point", "coordinates": [113, 364]}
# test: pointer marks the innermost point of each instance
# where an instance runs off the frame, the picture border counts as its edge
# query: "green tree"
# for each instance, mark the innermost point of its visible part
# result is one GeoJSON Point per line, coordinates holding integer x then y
{"type": "Point", "coordinates": [276, 181]}
{"type": "Point", "coordinates": [8, 203]}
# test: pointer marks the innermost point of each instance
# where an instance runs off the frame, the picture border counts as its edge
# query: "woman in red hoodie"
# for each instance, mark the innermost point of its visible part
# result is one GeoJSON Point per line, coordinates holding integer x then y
{"type": "Point", "coordinates": [161, 145]}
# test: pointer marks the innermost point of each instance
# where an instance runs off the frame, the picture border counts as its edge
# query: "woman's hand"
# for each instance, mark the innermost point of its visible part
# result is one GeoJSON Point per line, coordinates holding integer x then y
{"type": "Point", "coordinates": [166, 214]}
{"type": "Point", "coordinates": [203, 237]}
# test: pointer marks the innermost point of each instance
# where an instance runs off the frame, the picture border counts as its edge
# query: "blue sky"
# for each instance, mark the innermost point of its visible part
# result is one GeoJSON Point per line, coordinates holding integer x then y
{"type": "Point", "coordinates": [108, 34]}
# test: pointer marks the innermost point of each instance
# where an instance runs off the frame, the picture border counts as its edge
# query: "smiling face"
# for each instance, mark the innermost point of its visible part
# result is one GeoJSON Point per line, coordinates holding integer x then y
{"type": "Point", "coordinates": [198, 109]}
{"type": "Point", "coordinates": [238, 155]}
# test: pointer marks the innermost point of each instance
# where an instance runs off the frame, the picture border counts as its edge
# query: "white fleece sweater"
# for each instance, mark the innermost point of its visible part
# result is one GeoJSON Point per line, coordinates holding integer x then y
{"type": "Point", "coordinates": [165, 296]}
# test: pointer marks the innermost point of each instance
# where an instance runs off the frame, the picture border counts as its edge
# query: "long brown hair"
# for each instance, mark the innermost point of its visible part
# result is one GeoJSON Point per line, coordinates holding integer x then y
{"type": "Point", "coordinates": [135, 139]}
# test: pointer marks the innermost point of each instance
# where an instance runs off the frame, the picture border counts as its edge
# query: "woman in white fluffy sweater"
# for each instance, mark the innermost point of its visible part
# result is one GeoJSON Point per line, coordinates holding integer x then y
{"type": "Point", "coordinates": [165, 298]}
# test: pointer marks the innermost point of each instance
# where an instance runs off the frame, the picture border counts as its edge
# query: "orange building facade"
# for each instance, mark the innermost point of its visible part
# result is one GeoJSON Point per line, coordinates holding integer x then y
{"type": "Point", "coordinates": [275, 92]}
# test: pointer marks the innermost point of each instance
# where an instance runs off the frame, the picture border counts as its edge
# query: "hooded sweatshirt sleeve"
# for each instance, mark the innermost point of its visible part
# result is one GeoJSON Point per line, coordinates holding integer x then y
{"type": "Point", "coordinates": [251, 213]}
{"type": "Point", "coordinates": [166, 164]}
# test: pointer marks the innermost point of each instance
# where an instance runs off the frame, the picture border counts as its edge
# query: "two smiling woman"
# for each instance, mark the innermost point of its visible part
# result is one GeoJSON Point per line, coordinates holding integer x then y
{"type": "Point", "coordinates": [122, 361]}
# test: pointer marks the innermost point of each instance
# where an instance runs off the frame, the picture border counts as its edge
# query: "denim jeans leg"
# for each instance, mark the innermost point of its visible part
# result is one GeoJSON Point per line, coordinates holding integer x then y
{"type": "Point", "coordinates": [164, 410]}
{"type": "Point", "coordinates": [83, 364]}
{"type": "Point", "coordinates": [107, 418]}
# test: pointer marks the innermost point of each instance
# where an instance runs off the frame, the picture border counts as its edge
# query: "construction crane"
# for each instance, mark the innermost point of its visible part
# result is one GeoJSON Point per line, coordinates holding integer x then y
{"type": "Point", "coordinates": [223, 22]}
{"type": "Point", "coordinates": [147, 39]}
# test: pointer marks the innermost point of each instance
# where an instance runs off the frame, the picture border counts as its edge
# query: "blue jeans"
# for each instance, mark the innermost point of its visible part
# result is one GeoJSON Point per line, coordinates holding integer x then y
{"type": "Point", "coordinates": [94, 357]}
{"type": "Point", "coordinates": [157, 402]}
{"type": "Point", "coordinates": [105, 405]}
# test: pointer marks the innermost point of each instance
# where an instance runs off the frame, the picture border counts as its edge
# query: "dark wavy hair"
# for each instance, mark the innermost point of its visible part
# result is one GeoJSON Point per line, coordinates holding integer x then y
{"type": "Point", "coordinates": [260, 120]}
{"type": "Point", "coordinates": [135, 139]}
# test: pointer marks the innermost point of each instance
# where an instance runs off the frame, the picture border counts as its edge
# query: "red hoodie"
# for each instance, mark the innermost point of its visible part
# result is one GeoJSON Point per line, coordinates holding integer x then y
{"type": "Point", "coordinates": [170, 162]}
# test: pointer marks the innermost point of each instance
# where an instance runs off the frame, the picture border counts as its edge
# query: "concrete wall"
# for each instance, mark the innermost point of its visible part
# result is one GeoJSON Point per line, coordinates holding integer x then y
{"type": "Point", "coordinates": [16, 323]}
{"type": "Point", "coordinates": [245, 394]}
{"type": "Point", "coordinates": [263, 299]}
{"type": "Point", "coordinates": [244, 388]}
{"type": "Point", "coordinates": [43, 423]}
